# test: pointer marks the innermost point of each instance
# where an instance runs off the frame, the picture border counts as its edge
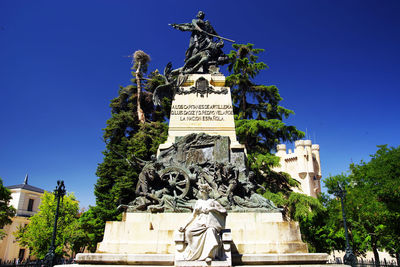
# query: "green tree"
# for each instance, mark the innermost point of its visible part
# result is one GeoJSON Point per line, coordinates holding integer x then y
{"type": "Point", "coordinates": [126, 135]}
{"type": "Point", "coordinates": [373, 202]}
{"type": "Point", "coordinates": [323, 229]}
{"type": "Point", "coordinates": [260, 127]}
{"type": "Point", "coordinates": [93, 226]}
{"type": "Point", "coordinates": [37, 234]}
{"type": "Point", "coordinates": [259, 117]}
{"type": "Point", "coordinates": [6, 211]}
{"type": "Point", "coordinates": [377, 187]}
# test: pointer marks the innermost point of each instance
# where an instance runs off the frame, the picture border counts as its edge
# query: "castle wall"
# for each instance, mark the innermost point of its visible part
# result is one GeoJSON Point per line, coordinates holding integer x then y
{"type": "Point", "coordinates": [304, 165]}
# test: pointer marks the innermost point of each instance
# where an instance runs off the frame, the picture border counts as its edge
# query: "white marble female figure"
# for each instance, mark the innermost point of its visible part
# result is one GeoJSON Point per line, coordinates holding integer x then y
{"type": "Point", "coordinates": [202, 231]}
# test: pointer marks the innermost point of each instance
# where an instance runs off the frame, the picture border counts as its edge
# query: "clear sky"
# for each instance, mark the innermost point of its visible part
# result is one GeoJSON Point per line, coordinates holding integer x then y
{"type": "Point", "coordinates": [336, 63]}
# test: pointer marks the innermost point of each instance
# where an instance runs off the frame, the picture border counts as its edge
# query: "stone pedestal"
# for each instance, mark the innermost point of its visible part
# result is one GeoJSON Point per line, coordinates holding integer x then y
{"type": "Point", "coordinates": [264, 233]}
{"type": "Point", "coordinates": [202, 105]}
{"type": "Point", "coordinates": [252, 233]}
{"type": "Point", "coordinates": [148, 239]}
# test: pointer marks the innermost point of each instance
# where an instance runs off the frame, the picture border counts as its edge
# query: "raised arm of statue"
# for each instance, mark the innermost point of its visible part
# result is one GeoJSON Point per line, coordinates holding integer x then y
{"type": "Point", "coordinates": [183, 26]}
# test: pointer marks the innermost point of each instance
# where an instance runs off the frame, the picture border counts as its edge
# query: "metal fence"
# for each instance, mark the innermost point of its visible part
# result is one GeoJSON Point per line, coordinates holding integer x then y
{"type": "Point", "coordinates": [367, 263]}
{"type": "Point", "coordinates": [40, 263]}
{"type": "Point", "coordinates": [37, 263]}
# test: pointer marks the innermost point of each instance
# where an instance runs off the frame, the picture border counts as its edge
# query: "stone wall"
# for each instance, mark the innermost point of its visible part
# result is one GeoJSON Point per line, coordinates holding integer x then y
{"type": "Point", "coordinates": [303, 164]}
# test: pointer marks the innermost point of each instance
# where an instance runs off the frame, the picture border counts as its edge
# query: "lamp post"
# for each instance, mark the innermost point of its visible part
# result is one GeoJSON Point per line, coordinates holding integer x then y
{"type": "Point", "coordinates": [59, 193]}
{"type": "Point", "coordinates": [349, 258]}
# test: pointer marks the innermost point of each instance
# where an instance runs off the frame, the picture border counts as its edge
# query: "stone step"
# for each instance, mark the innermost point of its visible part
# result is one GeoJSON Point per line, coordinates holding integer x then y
{"type": "Point", "coordinates": [125, 259]}
{"type": "Point", "coordinates": [292, 259]}
{"type": "Point", "coordinates": [280, 265]}
{"type": "Point", "coordinates": [281, 259]}
{"type": "Point", "coordinates": [295, 265]}
{"type": "Point", "coordinates": [105, 265]}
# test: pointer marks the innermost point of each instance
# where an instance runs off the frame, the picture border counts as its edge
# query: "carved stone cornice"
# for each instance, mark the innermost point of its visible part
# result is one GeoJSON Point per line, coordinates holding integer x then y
{"type": "Point", "coordinates": [201, 88]}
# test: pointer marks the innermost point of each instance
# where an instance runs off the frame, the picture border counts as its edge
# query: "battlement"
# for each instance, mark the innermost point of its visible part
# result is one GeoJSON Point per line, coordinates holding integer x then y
{"type": "Point", "coordinates": [303, 164]}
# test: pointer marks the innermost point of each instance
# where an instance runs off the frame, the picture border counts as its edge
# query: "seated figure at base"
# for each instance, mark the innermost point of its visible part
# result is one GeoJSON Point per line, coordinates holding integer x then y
{"type": "Point", "coordinates": [202, 231]}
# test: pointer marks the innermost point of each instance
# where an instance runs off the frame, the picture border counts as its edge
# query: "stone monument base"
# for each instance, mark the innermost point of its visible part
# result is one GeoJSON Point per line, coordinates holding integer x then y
{"type": "Point", "coordinates": [125, 259]}
{"type": "Point", "coordinates": [293, 259]}
{"type": "Point", "coordinates": [252, 233]}
{"type": "Point", "coordinates": [148, 239]}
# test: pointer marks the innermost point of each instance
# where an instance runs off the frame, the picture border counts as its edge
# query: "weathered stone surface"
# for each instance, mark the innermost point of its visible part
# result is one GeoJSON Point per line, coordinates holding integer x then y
{"type": "Point", "coordinates": [130, 259]}
{"type": "Point", "coordinates": [202, 264]}
{"type": "Point", "coordinates": [149, 233]}
{"type": "Point", "coordinates": [257, 233]}
{"type": "Point", "coordinates": [292, 258]}
{"type": "Point", "coordinates": [208, 113]}
{"type": "Point", "coordinates": [258, 265]}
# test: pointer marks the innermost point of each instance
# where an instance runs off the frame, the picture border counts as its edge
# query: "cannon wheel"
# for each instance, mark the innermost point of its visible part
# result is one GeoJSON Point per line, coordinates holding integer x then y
{"type": "Point", "coordinates": [178, 180]}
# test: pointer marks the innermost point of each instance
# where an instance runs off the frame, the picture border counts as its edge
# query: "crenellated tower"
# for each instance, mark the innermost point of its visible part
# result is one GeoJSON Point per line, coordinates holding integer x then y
{"type": "Point", "coordinates": [303, 164]}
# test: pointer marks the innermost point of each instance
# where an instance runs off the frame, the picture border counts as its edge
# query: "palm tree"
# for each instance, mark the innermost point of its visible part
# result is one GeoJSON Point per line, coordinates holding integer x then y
{"type": "Point", "coordinates": [140, 60]}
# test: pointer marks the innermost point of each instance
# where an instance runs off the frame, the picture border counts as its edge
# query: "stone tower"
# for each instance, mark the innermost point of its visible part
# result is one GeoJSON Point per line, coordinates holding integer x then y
{"type": "Point", "coordinates": [303, 164]}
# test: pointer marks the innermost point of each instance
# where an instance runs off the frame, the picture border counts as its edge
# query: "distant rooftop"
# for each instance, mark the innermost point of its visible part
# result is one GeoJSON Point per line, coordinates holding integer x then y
{"type": "Point", "coordinates": [26, 186]}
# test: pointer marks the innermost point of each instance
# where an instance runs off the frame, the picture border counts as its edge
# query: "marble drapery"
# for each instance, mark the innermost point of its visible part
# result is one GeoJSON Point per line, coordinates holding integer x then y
{"type": "Point", "coordinates": [203, 233]}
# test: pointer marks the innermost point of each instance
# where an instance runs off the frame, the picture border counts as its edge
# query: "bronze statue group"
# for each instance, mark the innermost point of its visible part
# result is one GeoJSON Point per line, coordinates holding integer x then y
{"type": "Point", "coordinates": [170, 182]}
{"type": "Point", "coordinates": [205, 46]}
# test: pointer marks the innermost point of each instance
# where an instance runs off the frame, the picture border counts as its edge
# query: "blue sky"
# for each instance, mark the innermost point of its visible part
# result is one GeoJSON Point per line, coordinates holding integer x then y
{"type": "Point", "coordinates": [336, 64]}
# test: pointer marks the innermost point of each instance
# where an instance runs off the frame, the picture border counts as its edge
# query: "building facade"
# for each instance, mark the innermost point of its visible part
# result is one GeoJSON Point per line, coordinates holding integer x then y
{"type": "Point", "coordinates": [303, 164]}
{"type": "Point", "coordinates": [26, 200]}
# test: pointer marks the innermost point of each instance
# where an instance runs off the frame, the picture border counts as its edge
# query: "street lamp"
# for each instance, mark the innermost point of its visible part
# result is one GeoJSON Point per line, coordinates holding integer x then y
{"type": "Point", "coordinates": [59, 193]}
{"type": "Point", "coordinates": [349, 258]}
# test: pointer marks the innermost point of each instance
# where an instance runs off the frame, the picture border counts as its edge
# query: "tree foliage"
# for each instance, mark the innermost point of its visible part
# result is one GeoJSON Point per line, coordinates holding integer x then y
{"type": "Point", "coordinates": [372, 206]}
{"type": "Point", "coordinates": [93, 227]}
{"type": "Point", "coordinates": [376, 189]}
{"type": "Point", "coordinates": [126, 135]}
{"type": "Point", "coordinates": [6, 211]}
{"type": "Point", "coordinates": [260, 127]}
{"type": "Point", "coordinates": [323, 229]}
{"type": "Point", "coordinates": [259, 117]}
{"type": "Point", "coordinates": [37, 234]}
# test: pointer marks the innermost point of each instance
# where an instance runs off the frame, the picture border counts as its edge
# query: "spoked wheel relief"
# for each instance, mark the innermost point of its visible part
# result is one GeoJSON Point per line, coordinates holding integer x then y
{"type": "Point", "coordinates": [178, 180]}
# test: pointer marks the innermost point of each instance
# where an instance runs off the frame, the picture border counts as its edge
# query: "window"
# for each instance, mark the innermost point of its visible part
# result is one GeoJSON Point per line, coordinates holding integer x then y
{"type": "Point", "coordinates": [21, 254]}
{"type": "Point", "coordinates": [30, 204]}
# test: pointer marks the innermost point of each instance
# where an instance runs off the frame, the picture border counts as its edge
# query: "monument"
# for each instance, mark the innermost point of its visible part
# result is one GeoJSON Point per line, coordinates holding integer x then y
{"type": "Point", "coordinates": [199, 176]}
